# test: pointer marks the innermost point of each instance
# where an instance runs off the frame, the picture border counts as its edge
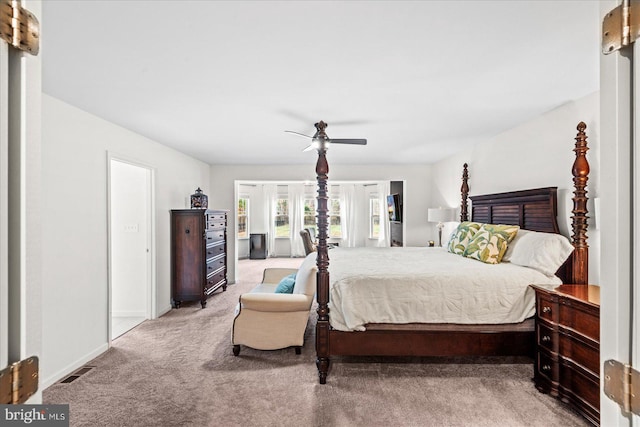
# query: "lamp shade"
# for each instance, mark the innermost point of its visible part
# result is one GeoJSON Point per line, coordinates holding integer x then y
{"type": "Point", "coordinates": [441, 215]}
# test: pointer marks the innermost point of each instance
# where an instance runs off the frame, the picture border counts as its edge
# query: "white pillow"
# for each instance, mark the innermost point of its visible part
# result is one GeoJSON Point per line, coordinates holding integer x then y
{"type": "Point", "coordinates": [545, 252]}
{"type": "Point", "coordinates": [513, 244]}
{"type": "Point", "coordinates": [306, 276]}
{"type": "Point", "coordinates": [447, 231]}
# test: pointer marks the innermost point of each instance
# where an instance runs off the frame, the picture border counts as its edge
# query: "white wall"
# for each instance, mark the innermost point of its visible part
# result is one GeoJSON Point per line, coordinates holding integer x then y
{"type": "Point", "coordinates": [538, 153]}
{"type": "Point", "coordinates": [74, 226]}
{"type": "Point", "coordinates": [416, 192]}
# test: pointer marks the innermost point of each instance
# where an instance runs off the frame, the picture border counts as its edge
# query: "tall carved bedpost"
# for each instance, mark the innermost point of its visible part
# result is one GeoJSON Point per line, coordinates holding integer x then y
{"type": "Point", "coordinates": [464, 215]}
{"type": "Point", "coordinates": [580, 170]}
{"type": "Point", "coordinates": [322, 261]}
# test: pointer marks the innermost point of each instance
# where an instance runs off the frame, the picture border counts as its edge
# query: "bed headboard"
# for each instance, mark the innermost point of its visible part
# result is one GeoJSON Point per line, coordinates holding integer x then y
{"type": "Point", "coordinates": [537, 210]}
{"type": "Point", "coordinates": [534, 210]}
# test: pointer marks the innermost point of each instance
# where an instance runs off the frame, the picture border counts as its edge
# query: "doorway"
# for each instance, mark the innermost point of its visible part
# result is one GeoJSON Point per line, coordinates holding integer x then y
{"type": "Point", "coordinates": [131, 278]}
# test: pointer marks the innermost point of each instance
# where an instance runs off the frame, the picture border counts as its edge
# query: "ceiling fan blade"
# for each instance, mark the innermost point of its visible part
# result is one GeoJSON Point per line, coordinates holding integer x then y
{"type": "Point", "coordinates": [349, 141]}
{"type": "Point", "coordinates": [309, 148]}
{"type": "Point", "coordinates": [302, 118]}
{"type": "Point", "coordinates": [298, 133]}
{"type": "Point", "coordinates": [350, 122]}
{"type": "Point", "coordinates": [296, 116]}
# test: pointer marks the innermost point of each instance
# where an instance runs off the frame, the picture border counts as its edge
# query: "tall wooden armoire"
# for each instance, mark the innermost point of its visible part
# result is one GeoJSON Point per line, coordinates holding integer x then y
{"type": "Point", "coordinates": [198, 254]}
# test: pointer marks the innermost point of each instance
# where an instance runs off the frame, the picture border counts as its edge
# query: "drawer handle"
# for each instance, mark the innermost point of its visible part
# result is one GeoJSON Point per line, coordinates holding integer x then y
{"type": "Point", "coordinates": [546, 309]}
{"type": "Point", "coordinates": [546, 367]}
{"type": "Point", "coordinates": [546, 338]}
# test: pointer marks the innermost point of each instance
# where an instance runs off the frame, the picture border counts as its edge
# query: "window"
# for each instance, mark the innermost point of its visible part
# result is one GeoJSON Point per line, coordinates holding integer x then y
{"type": "Point", "coordinates": [310, 214]}
{"type": "Point", "coordinates": [374, 217]}
{"type": "Point", "coordinates": [335, 228]}
{"type": "Point", "coordinates": [282, 218]}
{"type": "Point", "coordinates": [243, 218]}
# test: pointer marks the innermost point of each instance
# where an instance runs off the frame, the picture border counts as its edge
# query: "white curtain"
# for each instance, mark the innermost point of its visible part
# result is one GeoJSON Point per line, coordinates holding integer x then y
{"type": "Point", "coordinates": [270, 193]}
{"type": "Point", "coordinates": [349, 214]}
{"type": "Point", "coordinates": [296, 218]}
{"type": "Point", "coordinates": [384, 188]}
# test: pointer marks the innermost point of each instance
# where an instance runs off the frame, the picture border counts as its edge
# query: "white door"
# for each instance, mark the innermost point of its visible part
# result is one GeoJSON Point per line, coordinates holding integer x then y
{"type": "Point", "coordinates": [20, 210]}
{"type": "Point", "coordinates": [130, 244]}
{"type": "Point", "coordinates": [620, 210]}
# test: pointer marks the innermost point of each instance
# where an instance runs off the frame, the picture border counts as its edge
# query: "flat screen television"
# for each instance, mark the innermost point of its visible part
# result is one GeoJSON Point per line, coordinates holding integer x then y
{"type": "Point", "coordinates": [393, 206]}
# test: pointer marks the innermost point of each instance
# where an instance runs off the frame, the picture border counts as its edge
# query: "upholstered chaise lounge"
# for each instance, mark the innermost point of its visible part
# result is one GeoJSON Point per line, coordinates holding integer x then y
{"type": "Point", "coordinates": [266, 320]}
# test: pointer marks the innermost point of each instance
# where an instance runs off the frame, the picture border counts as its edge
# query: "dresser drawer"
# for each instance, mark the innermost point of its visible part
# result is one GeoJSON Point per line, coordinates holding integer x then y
{"type": "Point", "coordinates": [583, 319]}
{"type": "Point", "coordinates": [215, 264]}
{"type": "Point", "coordinates": [214, 250]}
{"type": "Point", "coordinates": [582, 387]}
{"type": "Point", "coordinates": [216, 221]}
{"type": "Point", "coordinates": [581, 351]}
{"type": "Point", "coordinates": [546, 307]}
{"type": "Point", "coordinates": [215, 236]}
{"type": "Point", "coordinates": [547, 367]}
{"type": "Point", "coordinates": [215, 281]}
{"type": "Point", "coordinates": [547, 337]}
{"type": "Point", "coordinates": [214, 225]}
{"type": "Point", "coordinates": [217, 216]}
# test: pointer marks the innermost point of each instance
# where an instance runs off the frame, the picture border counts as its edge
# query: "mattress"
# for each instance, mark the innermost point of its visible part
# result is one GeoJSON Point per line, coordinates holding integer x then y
{"type": "Point", "coordinates": [426, 285]}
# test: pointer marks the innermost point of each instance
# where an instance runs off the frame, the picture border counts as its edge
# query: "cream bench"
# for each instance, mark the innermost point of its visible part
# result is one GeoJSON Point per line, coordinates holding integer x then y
{"type": "Point", "coordinates": [266, 320]}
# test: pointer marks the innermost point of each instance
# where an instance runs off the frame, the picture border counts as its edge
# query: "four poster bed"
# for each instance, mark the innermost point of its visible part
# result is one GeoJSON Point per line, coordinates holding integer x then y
{"type": "Point", "coordinates": [534, 210]}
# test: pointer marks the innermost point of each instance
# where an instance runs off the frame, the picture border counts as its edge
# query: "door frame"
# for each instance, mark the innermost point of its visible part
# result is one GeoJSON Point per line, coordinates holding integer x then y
{"type": "Point", "coordinates": [617, 189]}
{"type": "Point", "coordinates": [151, 287]}
{"type": "Point", "coordinates": [4, 205]}
{"type": "Point", "coordinates": [635, 309]}
{"type": "Point", "coordinates": [20, 203]}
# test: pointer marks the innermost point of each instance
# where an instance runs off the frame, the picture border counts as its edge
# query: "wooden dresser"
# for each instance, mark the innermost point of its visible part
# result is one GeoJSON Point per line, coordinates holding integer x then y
{"type": "Point", "coordinates": [198, 254]}
{"type": "Point", "coordinates": [567, 362]}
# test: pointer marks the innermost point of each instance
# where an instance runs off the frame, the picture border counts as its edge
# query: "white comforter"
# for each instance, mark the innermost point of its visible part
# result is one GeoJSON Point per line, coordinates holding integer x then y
{"type": "Point", "coordinates": [426, 285]}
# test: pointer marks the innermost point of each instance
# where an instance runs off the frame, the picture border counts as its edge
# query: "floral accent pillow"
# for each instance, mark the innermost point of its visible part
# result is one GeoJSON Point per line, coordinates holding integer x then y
{"type": "Point", "coordinates": [461, 236]}
{"type": "Point", "coordinates": [490, 242]}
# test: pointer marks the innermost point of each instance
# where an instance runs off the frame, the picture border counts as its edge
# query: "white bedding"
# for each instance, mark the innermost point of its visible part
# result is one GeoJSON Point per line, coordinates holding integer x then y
{"type": "Point", "coordinates": [426, 285]}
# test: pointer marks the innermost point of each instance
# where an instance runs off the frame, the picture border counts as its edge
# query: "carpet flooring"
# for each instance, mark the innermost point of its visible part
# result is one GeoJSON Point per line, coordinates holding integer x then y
{"type": "Point", "coordinates": [179, 370]}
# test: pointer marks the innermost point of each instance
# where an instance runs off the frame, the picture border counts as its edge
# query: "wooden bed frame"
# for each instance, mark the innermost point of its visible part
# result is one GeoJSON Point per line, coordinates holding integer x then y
{"type": "Point", "coordinates": [531, 209]}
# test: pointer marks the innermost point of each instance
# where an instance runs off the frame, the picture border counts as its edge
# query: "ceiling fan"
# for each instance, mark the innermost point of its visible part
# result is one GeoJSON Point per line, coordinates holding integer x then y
{"type": "Point", "coordinates": [320, 140]}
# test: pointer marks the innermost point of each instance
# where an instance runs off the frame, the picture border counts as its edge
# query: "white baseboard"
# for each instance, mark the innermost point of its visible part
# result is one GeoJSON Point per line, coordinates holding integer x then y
{"type": "Point", "coordinates": [164, 310]}
{"type": "Point", "coordinates": [57, 376]}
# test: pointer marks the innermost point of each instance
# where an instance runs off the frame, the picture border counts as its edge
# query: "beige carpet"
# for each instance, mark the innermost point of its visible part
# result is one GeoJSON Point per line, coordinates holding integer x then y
{"type": "Point", "coordinates": [179, 371]}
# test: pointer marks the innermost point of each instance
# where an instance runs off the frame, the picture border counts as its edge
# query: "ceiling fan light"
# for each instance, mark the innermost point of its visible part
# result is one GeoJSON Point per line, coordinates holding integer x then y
{"type": "Point", "coordinates": [321, 144]}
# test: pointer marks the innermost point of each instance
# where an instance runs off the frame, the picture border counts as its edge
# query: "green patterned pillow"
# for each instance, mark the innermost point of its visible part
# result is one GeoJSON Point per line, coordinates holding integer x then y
{"type": "Point", "coordinates": [490, 242]}
{"type": "Point", "coordinates": [461, 236]}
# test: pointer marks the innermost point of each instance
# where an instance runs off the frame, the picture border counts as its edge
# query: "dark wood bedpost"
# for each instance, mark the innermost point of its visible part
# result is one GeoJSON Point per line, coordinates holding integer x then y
{"type": "Point", "coordinates": [464, 214]}
{"type": "Point", "coordinates": [322, 261]}
{"type": "Point", "coordinates": [580, 170]}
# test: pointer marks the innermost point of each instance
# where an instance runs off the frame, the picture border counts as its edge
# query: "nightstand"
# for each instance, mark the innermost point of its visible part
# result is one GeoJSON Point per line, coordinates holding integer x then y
{"type": "Point", "coordinates": [567, 362]}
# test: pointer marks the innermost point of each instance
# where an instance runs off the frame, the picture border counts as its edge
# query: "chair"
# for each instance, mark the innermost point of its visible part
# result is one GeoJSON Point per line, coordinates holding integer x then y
{"type": "Point", "coordinates": [309, 245]}
{"type": "Point", "coordinates": [314, 240]}
{"type": "Point", "coordinates": [312, 234]}
{"type": "Point", "coordinates": [265, 320]}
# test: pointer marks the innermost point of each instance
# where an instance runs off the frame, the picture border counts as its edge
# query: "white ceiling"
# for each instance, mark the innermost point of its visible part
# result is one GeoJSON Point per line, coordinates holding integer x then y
{"type": "Point", "coordinates": [221, 81]}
